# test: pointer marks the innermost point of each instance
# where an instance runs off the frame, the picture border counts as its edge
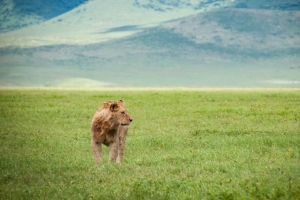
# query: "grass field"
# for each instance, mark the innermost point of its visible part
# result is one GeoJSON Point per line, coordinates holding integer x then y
{"type": "Point", "coordinates": [182, 144]}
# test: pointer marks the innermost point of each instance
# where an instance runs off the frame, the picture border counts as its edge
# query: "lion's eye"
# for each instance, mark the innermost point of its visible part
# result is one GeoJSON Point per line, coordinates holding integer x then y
{"type": "Point", "coordinates": [123, 113]}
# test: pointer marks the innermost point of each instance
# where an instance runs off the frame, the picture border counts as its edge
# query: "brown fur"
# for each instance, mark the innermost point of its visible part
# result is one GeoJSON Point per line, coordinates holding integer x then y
{"type": "Point", "coordinates": [109, 127]}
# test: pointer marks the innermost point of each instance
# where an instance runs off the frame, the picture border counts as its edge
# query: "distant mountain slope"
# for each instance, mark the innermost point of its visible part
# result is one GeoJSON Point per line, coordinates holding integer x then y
{"type": "Point", "coordinates": [213, 43]}
{"type": "Point", "coordinates": [15, 14]}
{"type": "Point", "coordinates": [243, 30]}
{"type": "Point", "coordinates": [167, 5]}
{"type": "Point", "coordinates": [72, 22]}
{"type": "Point", "coordinates": [100, 20]}
{"type": "Point", "coordinates": [219, 48]}
{"type": "Point", "coordinates": [268, 4]}
{"type": "Point", "coordinates": [19, 13]}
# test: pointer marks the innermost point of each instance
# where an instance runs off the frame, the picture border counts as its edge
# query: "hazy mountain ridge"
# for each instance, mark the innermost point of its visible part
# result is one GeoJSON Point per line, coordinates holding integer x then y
{"type": "Point", "coordinates": [169, 55]}
{"type": "Point", "coordinates": [92, 22]}
{"type": "Point", "coordinates": [19, 13]}
{"type": "Point", "coordinates": [268, 5]}
{"type": "Point", "coordinates": [242, 29]}
{"type": "Point", "coordinates": [16, 14]}
{"type": "Point", "coordinates": [161, 38]}
{"type": "Point", "coordinates": [221, 47]}
{"type": "Point", "coordinates": [166, 5]}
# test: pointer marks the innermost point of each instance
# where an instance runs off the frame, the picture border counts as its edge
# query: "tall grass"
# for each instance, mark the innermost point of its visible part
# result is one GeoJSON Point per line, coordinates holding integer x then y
{"type": "Point", "coordinates": [204, 144]}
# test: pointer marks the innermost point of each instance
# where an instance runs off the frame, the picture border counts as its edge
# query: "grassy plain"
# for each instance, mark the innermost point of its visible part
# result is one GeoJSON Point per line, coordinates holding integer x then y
{"type": "Point", "coordinates": [182, 144]}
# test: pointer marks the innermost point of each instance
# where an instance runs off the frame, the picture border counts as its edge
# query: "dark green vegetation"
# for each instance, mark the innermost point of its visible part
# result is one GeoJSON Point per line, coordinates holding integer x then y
{"type": "Point", "coordinates": [205, 144]}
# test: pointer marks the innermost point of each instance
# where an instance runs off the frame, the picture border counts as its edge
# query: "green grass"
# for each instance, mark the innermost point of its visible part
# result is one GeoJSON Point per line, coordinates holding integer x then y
{"type": "Point", "coordinates": [197, 144]}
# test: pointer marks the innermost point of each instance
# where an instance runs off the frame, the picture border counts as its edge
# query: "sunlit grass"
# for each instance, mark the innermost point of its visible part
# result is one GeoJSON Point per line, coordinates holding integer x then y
{"type": "Point", "coordinates": [182, 144]}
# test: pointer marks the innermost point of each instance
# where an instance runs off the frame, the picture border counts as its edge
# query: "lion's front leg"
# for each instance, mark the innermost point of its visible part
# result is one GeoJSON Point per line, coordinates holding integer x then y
{"type": "Point", "coordinates": [96, 150]}
{"type": "Point", "coordinates": [122, 141]}
{"type": "Point", "coordinates": [113, 150]}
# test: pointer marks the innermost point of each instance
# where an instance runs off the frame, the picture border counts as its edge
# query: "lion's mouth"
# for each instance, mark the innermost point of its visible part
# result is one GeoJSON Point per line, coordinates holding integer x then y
{"type": "Point", "coordinates": [124, 124]}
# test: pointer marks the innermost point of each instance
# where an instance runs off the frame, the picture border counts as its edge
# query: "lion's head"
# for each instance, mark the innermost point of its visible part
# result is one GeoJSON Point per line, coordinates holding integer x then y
{"type": "Point", "coordinates": [119, 112]}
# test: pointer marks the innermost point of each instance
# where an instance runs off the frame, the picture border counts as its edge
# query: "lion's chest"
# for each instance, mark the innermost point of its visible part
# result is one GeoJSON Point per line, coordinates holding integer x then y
{"type": "Point", "coordinates": [110, 136]}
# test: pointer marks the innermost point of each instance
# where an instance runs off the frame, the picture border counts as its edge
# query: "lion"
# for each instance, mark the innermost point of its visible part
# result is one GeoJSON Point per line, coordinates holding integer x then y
{"type": "Point", "coordinates": [109, 127]}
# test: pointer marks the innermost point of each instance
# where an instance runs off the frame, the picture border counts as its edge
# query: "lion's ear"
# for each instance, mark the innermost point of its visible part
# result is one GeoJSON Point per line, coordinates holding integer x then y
{"type": "Point", "coordinates": [121, 102]}
{"type": "Point", "coordinates": [106, 104]}
{"type": "Point", "coordinates": [114, 107]}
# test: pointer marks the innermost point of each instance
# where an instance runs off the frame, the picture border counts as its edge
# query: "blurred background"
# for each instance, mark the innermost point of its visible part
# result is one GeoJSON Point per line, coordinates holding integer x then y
{"type": "Point", "coordinates": [150, 43]}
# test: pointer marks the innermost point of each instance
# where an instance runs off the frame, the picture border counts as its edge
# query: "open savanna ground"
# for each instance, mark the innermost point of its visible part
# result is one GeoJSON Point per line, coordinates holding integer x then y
{"type": "Point", "coordinates": [182, 144]}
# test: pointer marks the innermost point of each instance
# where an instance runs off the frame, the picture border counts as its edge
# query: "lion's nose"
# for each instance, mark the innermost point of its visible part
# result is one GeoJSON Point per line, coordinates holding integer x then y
{"type": "Point", "coordinates": [130, 120]}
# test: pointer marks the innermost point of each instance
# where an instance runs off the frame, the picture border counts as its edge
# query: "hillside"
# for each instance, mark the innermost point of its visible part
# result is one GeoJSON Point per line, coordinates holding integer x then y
{"type": "Point", "coordinates": [268, 4]}
{"type": "Point", "coordinates": [15, 14]}
{"type": "Point", "coordinates": [150, 43]}
{"type": "Point", "coordinates": [216, 48]}
{"type": "Point", "coordinates": [98, 20]}
{"type": "Point", "coordinates": [238, 31]}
